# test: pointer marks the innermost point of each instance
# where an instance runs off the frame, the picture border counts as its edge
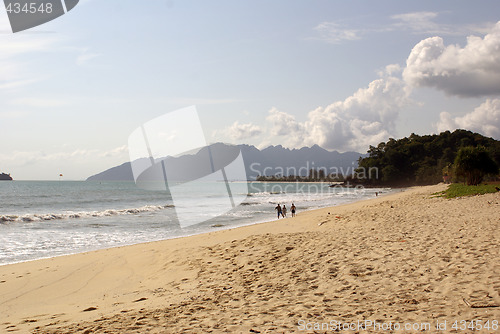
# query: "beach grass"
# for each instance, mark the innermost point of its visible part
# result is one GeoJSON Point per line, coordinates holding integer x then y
{"type": "Point", "coordinates": [461, 190]}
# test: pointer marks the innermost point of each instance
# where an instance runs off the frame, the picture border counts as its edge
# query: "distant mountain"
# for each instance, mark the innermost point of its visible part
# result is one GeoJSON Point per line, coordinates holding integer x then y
{"type": "Point", "coordinates": [118, 173]}
{"type": "Point", "coordinates": [273, 160]}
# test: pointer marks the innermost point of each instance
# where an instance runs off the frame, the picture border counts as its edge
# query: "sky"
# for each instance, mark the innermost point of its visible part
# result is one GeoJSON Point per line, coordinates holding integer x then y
{"type": "Point", "coordinates": [340, 74]}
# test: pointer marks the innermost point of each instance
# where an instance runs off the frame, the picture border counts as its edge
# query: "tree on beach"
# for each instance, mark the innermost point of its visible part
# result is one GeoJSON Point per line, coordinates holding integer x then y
{"type": "Point", "coordinates": [473, 163]}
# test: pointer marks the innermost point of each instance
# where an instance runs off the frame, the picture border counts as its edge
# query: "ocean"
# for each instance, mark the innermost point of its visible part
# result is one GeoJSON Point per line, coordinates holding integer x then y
{"type": "Point", "coordinates": [41, 219]}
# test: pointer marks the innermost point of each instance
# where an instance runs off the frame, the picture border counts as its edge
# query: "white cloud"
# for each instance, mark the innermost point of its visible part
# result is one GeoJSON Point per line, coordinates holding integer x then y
{"type": "Point", "coordinates": [239, 131]}
{"type": "Point", "coordinates": [416, 18]}
{"type": "Point", "coordinates": [334, 33]}
{"type": "Point", "coordinates": [391, 70]}
{"type": "Point", "coordinates": [366, 117]}
{"type": "Point", "coordinates": [283, 123]}
{"type": "Point", "coordinates": [264, 144]}
{"type": "Point", "coordinates": [484, 119]}
{"type": "Point", "coordinates": [286, 125]}
{"type": "Point", "coordinates": [421, 22]}
{"type": "Point", "coordinates": [473, 70]}
{"type": "Point", "coordinates": [118, 151]}
{"type": "Point", "coordinates": [414, 22]}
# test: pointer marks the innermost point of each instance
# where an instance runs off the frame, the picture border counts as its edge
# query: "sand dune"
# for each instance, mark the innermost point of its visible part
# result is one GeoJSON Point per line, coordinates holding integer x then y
{"type": "Point", "coordinates": [406, 258]}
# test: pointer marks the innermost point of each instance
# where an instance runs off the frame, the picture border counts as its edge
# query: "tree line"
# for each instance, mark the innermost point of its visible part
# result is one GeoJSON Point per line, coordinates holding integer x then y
{"type": "Point", "coordinates": [313, 175]}
{"type": "Point", "coordinates": [420, 160]}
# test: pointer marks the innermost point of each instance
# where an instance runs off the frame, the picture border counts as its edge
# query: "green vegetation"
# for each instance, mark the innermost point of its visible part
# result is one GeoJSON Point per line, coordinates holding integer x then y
{"type": "Point", "coordinates": [473, 163]}
{"type": "Point", "coordinates": [421, 160]}
{"type": "Point", "coordinates": [460, 190]}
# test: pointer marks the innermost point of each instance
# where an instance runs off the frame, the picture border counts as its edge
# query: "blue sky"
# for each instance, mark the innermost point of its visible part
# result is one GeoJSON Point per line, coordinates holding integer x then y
{"type": "Point", "coordinates": [341, 74]}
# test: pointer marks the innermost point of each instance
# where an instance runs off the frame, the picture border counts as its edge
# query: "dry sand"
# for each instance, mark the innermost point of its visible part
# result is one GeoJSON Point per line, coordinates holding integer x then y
{"type": "Point", "coordinates": [405, 258]}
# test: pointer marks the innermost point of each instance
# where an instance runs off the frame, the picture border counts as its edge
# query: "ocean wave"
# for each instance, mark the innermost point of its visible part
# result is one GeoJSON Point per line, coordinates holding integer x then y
{"type": "Point", "coordinates": [82, 214]}
{"type": "Point", "coordinates": [266, 193]}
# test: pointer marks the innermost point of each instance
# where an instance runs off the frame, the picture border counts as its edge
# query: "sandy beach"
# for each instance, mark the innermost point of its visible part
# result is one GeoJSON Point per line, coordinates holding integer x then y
{"type": "Point", "coordinates": [405, 259]}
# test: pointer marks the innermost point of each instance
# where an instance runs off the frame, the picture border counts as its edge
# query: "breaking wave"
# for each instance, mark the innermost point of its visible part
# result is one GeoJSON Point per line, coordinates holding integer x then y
{"type": "Point", "coordinates": [81, 214]}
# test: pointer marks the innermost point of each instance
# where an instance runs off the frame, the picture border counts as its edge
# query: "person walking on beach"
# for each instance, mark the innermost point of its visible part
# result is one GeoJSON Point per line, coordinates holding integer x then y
{"type": "Point", "coordinates": [293, 210]}
{"type": "Point", "coordinates": [283, 211]}
{"type": "Point", "coordinates": [278, 208]}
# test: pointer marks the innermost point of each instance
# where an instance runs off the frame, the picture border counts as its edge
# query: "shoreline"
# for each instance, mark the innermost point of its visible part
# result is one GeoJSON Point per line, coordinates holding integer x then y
{"type": "Point", "coordinates": [270, 275]}
{"type": "Point", "coordinates": [271, 218]}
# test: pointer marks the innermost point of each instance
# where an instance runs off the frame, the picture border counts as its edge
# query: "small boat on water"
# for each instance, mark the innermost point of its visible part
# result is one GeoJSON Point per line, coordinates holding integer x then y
{"type": "Point", "coordinates": [5, 177]}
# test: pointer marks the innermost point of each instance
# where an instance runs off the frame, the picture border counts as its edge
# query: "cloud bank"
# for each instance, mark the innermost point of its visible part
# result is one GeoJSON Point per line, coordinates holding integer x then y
{"type": "Point", "coordinates": [471, 71]}
{"type": "Point", "coordinates": [369, 116]}
{"type": "Point", "coordinates": [366, 117]}
{"type": "Point", "coordinates": [484, 119]}
{"type": "Point", "coordinates": [239, 131]}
